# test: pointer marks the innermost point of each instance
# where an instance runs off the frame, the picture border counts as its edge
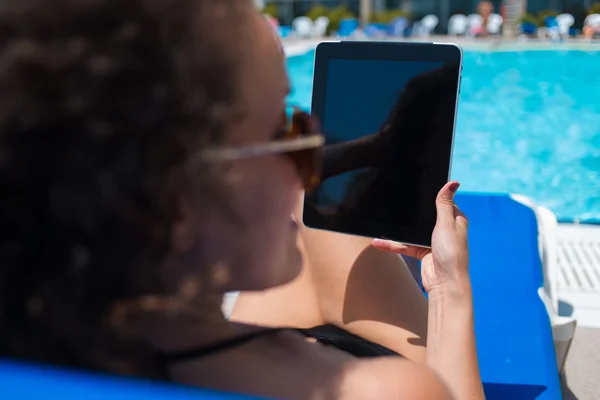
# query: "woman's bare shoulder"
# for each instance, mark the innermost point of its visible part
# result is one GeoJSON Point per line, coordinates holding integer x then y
{"type": "Point", "coordinates": [372, 378]}
{"type": "Point", "coordinates": [391, 378]}
{"type": "Point", "coordinates": [285, 365]}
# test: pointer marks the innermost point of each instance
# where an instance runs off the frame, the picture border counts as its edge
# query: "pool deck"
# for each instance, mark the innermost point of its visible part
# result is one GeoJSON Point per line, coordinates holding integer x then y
{"type": "Point", "coordinates": [296, 47]}
{"type": "Point", "coordinates": [579, 272]}
{"type": "Point", "coordinates": [579, 296]}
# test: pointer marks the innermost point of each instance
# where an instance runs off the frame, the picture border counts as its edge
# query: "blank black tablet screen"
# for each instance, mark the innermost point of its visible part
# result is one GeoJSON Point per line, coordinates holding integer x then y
{"type": "Point", "coordinates": [388, 126]}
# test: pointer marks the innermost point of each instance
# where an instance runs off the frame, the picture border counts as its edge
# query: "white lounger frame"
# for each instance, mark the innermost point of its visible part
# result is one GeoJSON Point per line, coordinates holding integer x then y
{"type": "Point", "coordinates": [563, 327]}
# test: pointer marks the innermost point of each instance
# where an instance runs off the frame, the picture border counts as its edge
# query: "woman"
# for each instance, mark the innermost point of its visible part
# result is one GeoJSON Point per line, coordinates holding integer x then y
{"type": "Point", "coordinates": [144, 177]}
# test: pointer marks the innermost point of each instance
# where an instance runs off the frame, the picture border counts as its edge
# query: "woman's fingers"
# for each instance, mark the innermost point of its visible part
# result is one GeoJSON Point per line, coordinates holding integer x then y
{"type": "Point", "coordinates": [399, 248]}
{"type": "Point", "coordinates": [444, 203]}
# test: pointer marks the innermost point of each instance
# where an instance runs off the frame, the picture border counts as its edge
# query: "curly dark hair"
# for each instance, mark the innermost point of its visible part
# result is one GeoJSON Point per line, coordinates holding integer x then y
{"type": "Point", "coordinates": [104, 107]}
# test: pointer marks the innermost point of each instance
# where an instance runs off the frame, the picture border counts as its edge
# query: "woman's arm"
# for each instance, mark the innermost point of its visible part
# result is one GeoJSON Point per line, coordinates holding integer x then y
{"type": "Point", "coordinates": [451, 350]}
{"type": "Point", "coordinates": [393, 378]}
{"type": "Point", "coordinates": [451, 347]}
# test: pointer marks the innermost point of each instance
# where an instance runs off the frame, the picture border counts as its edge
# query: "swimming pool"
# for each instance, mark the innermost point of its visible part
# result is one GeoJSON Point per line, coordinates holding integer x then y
{"type": "Point", "coordinates": [528, 123]}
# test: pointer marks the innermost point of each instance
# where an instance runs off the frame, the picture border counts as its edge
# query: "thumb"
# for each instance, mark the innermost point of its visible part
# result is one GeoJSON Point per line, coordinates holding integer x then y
{"type": "Point", "coordinates": [444, 203]}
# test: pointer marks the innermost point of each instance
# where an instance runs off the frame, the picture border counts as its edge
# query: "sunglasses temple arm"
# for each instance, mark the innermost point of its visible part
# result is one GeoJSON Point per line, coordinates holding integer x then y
{"type": "Point", "coordinates": [348, 156]}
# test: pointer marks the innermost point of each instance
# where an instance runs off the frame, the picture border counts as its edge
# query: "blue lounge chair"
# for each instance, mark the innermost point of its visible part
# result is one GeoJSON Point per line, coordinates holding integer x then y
{"type": "Point", "coordinates": [553, 28]}
{"type": "Point", "coordinates": [528, 28]}
{"type": "Point", "coordinates": [284, 31]}
{"type": "Point", "coordinates": [376, 31]}
{"type": "Point", "coordinates": [28, 382]}
{"type": "Point", "coordinates": [347, 27]}
{"type": "Point", "coordinates": [398, 27]}
{"type": "Point", "coordinates": [517, 327]}
{"type": "Point", "coordinates": [551, 22]}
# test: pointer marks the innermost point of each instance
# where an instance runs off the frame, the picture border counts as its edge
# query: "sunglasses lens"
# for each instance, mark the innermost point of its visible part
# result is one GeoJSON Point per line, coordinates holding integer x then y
{"type": "Point", "coordinates": [308, 162]}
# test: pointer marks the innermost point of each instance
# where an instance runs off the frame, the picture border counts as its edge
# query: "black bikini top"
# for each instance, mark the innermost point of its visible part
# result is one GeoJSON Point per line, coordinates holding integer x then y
{"type": "Point", "coordinates": [329, 335]}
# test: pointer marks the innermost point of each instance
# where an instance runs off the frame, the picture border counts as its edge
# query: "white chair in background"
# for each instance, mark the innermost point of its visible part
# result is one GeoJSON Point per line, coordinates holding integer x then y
{"type": "Point", "coordinates": [494, 23]}
{"type": "Point", "coordinates": [428, 24]}
{"type": "Point", "coordinates": [475, 24]}
{"type": "Point", "coordinates": [320, 26]}
{"type": "Point", "coordinates": [553, 33]}
{"type": "Point", "coordinates": [458, 24]}
{"type": "Point", "coordinates": [302, 27]}
{"type": "Point", "coordinates": [565, 22]}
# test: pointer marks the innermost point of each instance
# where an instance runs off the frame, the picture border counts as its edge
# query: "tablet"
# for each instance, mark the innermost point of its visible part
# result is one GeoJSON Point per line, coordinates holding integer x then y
{"type": "Point", "coordinates": [387, 111]}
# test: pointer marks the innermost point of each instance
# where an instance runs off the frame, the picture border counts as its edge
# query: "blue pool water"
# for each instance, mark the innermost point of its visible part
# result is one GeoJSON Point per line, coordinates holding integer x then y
{"type": "Point", "coordinates": [528, 123]}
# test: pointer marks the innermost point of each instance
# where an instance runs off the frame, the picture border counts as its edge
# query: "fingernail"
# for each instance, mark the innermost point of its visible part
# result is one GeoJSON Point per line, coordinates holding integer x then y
{"type": "Point", "coordinates": [382, 241]}
{"type": "Point", "coordinates": [454, 186]}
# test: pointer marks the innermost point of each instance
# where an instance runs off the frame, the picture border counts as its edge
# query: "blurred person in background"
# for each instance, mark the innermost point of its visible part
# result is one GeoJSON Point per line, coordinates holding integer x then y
{"type": "Point", "coordinates": [485, 9]}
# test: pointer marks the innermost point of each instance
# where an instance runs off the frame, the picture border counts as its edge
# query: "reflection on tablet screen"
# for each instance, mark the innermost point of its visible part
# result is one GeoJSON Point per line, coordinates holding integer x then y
{"type": "Point", "coordinates": [389, 127]}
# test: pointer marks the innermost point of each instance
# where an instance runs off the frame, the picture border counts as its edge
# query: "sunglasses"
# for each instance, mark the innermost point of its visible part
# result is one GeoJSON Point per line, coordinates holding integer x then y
{"type": "Point", "coordinates": [300, 142]}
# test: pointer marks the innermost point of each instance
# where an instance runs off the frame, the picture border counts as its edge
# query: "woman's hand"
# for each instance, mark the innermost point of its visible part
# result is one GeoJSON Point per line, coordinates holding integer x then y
{"type": "Point", "coordinates": [450, 321]}
{"type": "Point", "coordinates": [447, 262]}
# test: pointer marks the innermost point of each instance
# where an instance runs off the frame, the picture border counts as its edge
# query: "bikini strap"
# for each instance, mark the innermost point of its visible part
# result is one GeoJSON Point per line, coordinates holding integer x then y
{"type": "Point", "coordinates": [204, 351]}
{"type": "Point", "coordinates": [325, 334]}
